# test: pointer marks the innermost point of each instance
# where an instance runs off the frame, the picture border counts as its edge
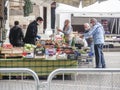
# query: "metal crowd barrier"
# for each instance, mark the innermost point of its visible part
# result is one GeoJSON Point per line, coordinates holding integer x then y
{"type": "Point", "coordinates": [18, 70]}
{"type": "Point", "coordinates": [77, 79]}
{"type": "Point", "coordinates": [85, 79]}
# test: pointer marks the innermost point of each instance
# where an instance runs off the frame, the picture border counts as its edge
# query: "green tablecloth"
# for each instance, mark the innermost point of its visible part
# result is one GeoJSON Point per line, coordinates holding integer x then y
{"type": "Point", "coordinates": [40, 66]}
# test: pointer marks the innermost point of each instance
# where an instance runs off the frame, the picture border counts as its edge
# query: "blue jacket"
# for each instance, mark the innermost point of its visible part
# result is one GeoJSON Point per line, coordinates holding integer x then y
{"type": "Point", "coordinates": [97, 31]}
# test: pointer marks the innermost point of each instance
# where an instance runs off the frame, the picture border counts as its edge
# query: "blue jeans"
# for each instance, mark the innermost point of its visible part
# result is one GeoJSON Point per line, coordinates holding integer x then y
{"type": "Point", "coordinates": [99, 57]}
{"type": "Point", "coordinates": [91, 45]}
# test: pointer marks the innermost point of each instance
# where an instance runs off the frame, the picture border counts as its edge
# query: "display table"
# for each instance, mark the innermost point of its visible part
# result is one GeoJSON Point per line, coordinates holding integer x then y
{"type": "Point", "coordinates": [40, 66]}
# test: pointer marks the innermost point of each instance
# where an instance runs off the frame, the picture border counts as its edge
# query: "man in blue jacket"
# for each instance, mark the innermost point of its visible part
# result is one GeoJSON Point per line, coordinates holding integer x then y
{"type": "Point", "coordinates": [97, 32]}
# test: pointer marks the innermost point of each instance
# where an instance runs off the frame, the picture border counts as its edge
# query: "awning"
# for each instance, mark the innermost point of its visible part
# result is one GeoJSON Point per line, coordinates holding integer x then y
{"type": "Point", "coordinates": [86, 3]}
{"type": "Point", "coordinates": [74, 3]}
{"type": "Point", "coordinates": [108, 8]}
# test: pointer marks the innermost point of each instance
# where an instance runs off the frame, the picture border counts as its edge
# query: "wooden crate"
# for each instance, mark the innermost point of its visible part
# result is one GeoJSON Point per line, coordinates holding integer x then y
{"type": "Point", "coordinates": [12, 52]}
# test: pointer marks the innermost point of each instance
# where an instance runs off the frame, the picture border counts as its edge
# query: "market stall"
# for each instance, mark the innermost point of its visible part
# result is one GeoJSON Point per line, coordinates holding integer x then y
{"type": "Point", "coordinates": [45, 56]}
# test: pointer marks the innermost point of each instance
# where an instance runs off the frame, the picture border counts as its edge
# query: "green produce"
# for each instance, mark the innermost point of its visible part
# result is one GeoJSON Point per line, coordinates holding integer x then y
{"type": "Point", "coordinates": [82, 51]}
{"type": "Point", "coordinates": [29, 47]}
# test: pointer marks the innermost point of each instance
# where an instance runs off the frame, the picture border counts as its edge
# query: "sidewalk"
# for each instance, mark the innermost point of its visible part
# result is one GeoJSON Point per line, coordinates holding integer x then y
{"type": "Point", "coordinates": [112, 59]}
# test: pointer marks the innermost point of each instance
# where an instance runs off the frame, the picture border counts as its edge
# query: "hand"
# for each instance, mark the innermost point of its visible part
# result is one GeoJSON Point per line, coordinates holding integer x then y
{"type": "Point", "coordinates": [59, 30]}
{"type": "Point", "coordinates": [81, 35]}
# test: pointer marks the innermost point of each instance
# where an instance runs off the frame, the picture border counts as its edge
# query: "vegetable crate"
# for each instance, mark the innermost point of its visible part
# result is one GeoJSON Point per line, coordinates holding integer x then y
{"type": "Point", "coordinates": [11, 52]}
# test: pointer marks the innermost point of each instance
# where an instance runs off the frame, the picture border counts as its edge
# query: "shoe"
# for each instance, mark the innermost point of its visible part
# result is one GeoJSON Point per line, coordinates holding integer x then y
{"type": "Point", "coordinates": [97, 67]}
{"type": "Point", "coordinates": [104, 66]}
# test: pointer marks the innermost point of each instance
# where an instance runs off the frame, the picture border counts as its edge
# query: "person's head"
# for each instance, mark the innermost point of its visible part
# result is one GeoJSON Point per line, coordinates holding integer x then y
{"type": "Point", "coordinates": [66, 22]}
{"type": "Point", "coordinates": [86, 26]}
{"type": "Point", "coordinates": [16, 23]}
{"type": "Point", "coordinates": [93, 21]}
{"type": "Point", "coordinates": [39, 20]}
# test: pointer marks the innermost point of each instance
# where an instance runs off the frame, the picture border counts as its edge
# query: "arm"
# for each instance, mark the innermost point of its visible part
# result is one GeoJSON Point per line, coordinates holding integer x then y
{"type": "Point", "coordinates": [10, 36]}
{"type": "Point", "coordinates": [59, 30]}
{"type": "Point", "coordinates": [91, 32]}
{"type": "Point", "coordinates": [21, 34]}
{"type": "Point", "coordinates": [32, 30]}
{"type": "Point", "coordinates": [70, 29]}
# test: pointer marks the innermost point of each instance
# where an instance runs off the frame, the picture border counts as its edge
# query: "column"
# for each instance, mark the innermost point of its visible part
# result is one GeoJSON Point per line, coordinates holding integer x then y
{"type": "Point", "coordinates": [40, 30]}
{"type": "Point", "coordinates": [53, 16]}
{"type": "Point", "coordinates": [48, 31]}
{"type": "Point", "coordinates": [7, 26]}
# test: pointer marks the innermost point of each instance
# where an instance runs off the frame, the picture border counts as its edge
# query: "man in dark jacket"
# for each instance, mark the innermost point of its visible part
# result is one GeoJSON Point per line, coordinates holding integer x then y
{"type": "Point", "coordinates": [32, 30]}
{"type": "Point", "coordinates": [16, 35]}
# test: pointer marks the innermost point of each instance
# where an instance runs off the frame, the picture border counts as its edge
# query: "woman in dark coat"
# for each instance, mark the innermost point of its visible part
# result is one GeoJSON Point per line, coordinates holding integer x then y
{"type": "Point", "coordinates": [32, 30]}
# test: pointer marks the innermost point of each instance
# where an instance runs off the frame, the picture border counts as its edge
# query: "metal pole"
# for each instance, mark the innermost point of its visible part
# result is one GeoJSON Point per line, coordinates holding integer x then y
{"type": "Point", "coordinates": [116, 27]}
{"type": "Point", "coordinates": [119, 27]}
{"type": "Point", "coordinates": [113, 23]}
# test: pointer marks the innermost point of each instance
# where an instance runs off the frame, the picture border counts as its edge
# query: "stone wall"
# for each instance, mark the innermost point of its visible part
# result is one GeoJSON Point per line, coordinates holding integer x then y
{"type": "Point", "coordinates": [1, 8]}
{"type": "Point", "coordinates": [16, 13]}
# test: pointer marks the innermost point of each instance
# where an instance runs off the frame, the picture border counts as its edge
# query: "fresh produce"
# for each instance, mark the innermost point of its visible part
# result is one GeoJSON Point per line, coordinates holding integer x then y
{"type": "Point", "coordinates": [29, 47]}
{"type": "Point", "coordinates": [82, 51]}
{"type": "Point", "coordinates": [7, 46]}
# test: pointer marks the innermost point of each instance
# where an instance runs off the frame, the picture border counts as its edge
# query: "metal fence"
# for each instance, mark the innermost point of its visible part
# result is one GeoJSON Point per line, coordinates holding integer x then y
{"type": "Point", "coordinates": [18, 84]}
{"type": "Point", "coordinates": [85, 79]}
{"type": "Point", "coordinates": [64, 79]}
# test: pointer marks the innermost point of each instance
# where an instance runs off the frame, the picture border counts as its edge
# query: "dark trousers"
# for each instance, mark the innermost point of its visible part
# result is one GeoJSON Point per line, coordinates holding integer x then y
{"type": "Point", "coordinates": [99, 57]}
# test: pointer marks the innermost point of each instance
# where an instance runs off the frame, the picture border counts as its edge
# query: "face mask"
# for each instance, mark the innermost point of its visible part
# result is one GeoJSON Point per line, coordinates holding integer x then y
{"type": "Point", "coordinates": [86, 28]}
{"type": "Point", "coordinates": [39, 22]}
{"type": "Point", "coordinates": [91, 25]}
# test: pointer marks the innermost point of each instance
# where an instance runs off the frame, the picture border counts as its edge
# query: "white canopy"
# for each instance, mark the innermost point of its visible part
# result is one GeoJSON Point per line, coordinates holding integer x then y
{"type": "Point", "coordinates": [63, 8]}
{"type": "Point", "coordinates": [109, 8]}
{"type": "Point", "coordinates": [105, 6]}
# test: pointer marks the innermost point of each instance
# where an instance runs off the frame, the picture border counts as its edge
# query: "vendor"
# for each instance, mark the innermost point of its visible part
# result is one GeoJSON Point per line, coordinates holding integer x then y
{"type": "Point", "coordinates": [67, 30]}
